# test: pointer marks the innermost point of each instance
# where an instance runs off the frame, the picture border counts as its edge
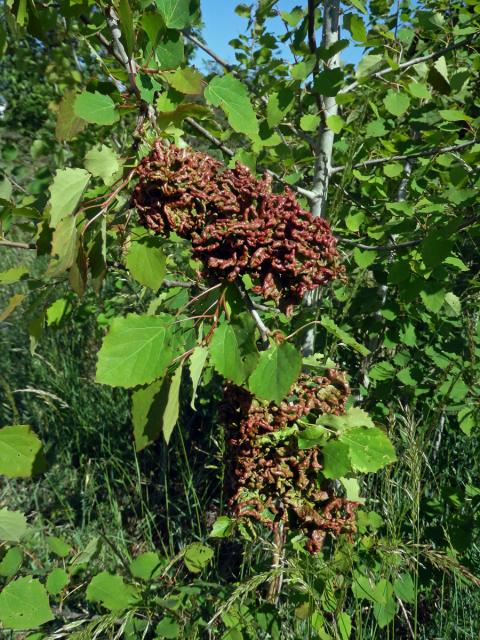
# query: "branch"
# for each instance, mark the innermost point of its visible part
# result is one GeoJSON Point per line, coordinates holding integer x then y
{"type": "Point", "coordinates": [407, 156]}
{"type": "Point", "coordinates": [229, 152]}
{"type": "Point", "coordinates": [17, 245]}
{"type": "Point", "coordinates": [324, 145]}
{"type": "Point", "coordinates": [469, 222]}
{"type": "Point", "coordinates": [262, 327]}
{"type": "Point", "coordinates": [223, 63]}
{"type": "Point", "coordinates": [410, 63]}
{"type": "Point", "coordinates": [119, 50]}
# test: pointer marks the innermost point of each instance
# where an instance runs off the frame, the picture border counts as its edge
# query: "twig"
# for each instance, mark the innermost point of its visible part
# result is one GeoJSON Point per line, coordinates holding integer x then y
{"type": "Point", "coordinates": [229, 152]}
{"type": "Point", "coordinates": [402, 157]}
{"type": "Point", "coordinates": [262, 327]}
{"type": "Point", "coordinates": [223, 63]}
{"type": "Point", "coordinates": [17, 245]}
{"type": "Point", "coordinates": [403, 245]}
{"type": "Point", "coordinates": [119, 50]}
{"type": "Point", "coordinates": [275, 585]}
{"type": "Point", "coordinates": [405, 615]}
{"type": "Point", "coordinates": [410, 63]}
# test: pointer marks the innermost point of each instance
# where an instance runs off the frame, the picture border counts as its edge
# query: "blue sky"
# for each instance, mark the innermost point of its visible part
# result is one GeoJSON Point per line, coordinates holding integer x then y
{"type": "Point", "coordinates": [222, 24]}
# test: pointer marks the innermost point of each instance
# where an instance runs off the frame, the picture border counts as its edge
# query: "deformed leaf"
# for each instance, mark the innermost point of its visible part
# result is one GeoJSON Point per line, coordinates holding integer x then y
{"type": "Point", "coordinates": [24, 604]}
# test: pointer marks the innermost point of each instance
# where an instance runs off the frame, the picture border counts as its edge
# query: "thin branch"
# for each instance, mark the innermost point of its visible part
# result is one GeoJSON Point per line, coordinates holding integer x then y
{"type": "Point", "coordinates": [262, 327]}
{"type": "Point", "coordinates": [469, 222]}
{"type": "Point", "coordinates": [119, 50]}
{"type": "Point", "coordinates": [324, 146]}
{"type": "Point", "coordinates": [194, 40]}
{"type": "Point", "coordinates": [410, 63]}
{"type": "Point", "coordinates": [17, 245]}
{"type": "Point", "coordinates": [402, 157]}
{"type": "Point", "coordinates": [229, 152]}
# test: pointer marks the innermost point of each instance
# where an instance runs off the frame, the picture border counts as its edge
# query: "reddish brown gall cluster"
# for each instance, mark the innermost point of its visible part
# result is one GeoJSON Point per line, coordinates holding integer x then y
{"type": "Point", "coordinates": [236, 224]}
{"type": "Point", "coordinates": [270, 479]}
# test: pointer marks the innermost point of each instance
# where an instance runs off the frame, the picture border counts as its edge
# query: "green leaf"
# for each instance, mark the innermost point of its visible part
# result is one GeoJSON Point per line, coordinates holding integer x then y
{"type": "Point", "coordinates": [126, 22]}
{"type": "Point", "coordinates": [222, 527]}
{"type": "Point", "coordinates": [382, 371]}
{"type": "Point", "coordinates": [364, 258]}
{"type": "Point", "coordinates": [188, 81]}
{"type": "Point", "coordinates": [231, 95]}
{"type": "Point", "coordinates": [112, 592]}
{"type": "Point", "coordinates": [356, 26]}
{"type": "Point", "coordinates": [336, 460]}
{"type": "Point", "coordinates": [467, 420]}
{"type": "Point", "coordinates": [13, 525]}
{"type": "Point", "coordinates": [329, 325]}
{"type": "Point", "coordinates": [376, 129]}
{"type": "Point", "coordinates": [24, 604]}
{"type": "Point", "coordinates": [6, 188]}
{"type": "Point", "coordinates": [370, 448]}
{"type": "Point", "coordinates": [396, 103]}
{"type": "Point", "coordinates": [196, 364]}
{"type": "Point", "coordinates": [309, 122]}
{"type": "Point", "coordinates": [353, 417]}
{"type": "Point", "coordinates": [59, 547]}
{"type": "Point", "coordinates": [278, 368]}
{"type": "Point", "coordinates": [329, 82]}
{"type": "Point", "coordinates": [404, 587]}
{"type": "Point", "coordinates": [335, 123]}
{"type": "Point", "coordinates": [64, 246]}
{"type": "Point", "coordinates": [87, 554]}
{"type": "Point", "coordinates": [57, 580]}
{"type": "Point", "coordinates": [393, 170]}
{"type": "Point", "coordinates": [68, 124]}
{"type": "Point", "coordinates": [358, 4]}
{"type": "Point", "coordinates": [148, 406]}
{"type": "Point", "coordinates": [433, 297]}
{"type": "Point", "coordinates": [172, 406]}
{"type": "Point", "coordinates": [11, 562]}
{"type": "Point", "coordinates": [146, 262]}
{"type": "Point", "coordinates": [95, 108]}
{"type": "Point", "coordinates": [197, 556]}
{"type": "Point", "coordinates": [175, 13]}
{"type": "Point", "coordinates": [233, 350]}
{"type": "Point", "coordinates": [344, 624]}
{"type": "Point", "coordinates": [453, 115]}
{"type": "Point", "coordinates": [384, 612]}
{"type": "Point", "coordinates": [368, 64]}
{"type": "Point", "coordinates": [147, 566]}
{"type": "Point", "coordinates": [102, 162]}
{"type": "Point", "coordinates": [419, 90]}
{"type": "Point", "coordinates": [136, 351]}
{"type": "Point", "coordinates": [438, 76]}
{"type": "Point", "coordinates": [13, 275]}
{"type": "Point", "coordinates": [435, 248]}
{"type": "Point", "coordinates": [65, 193]}
{"type": "Point", "coordinates": [21, 454]}
{"type": "Point", "coordinates": [170, 50]}
{"type": "Point", "coordinates": [278, 105]}
{"type": "Point", "coordinates": [168, 627]}
{"type": "Point", "coordinates": [454, 303]}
